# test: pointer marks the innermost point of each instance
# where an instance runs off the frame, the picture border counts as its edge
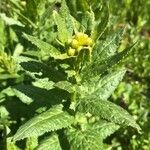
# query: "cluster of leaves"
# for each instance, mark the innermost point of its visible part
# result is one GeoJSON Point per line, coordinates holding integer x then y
{"type": "Point", "coordinates": [49, 98]}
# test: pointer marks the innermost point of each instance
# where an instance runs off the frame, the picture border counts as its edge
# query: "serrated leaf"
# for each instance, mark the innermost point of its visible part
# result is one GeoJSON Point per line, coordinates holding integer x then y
{"type": "Point", "coordinates": [103, 87]}
{"type": "Point", "coordinates": [108, 84]}
{"type": "Point", "coordinates": [84, 140]}
{"type": "Point", "coordinates": [107, 48]}
{"type": "Point", "coordinates": [40, 97]}
{"type": "Point", "coordinates": [107, 110]}
{"type": "Point", "coordinates": [65, 14]}
{"type": "Point", "coordinates": [105, 128]}
{"type": "Point", "coordinates": [46, 48]}
{"type": "Point", "coordinates": [87, 22]}
{"type": "Point", "coordinates": [64, 23]}
{"type": "Point", "coordinates": [61, 27]}
{"type": "Point", "coordinates": [104, 53]}
{"type": "Point", "coordinates": [100, 22]}
{"type": "Point", "coordinates": [99, 68]}
{"type": "Point", "coordinates": [51, 120]}
{"type": "Point", "coordinates": [51, 143]}
{"type": "Point", "coordinates": [47, 13]}
{"type": "Point", "coordinates": [113, 60]}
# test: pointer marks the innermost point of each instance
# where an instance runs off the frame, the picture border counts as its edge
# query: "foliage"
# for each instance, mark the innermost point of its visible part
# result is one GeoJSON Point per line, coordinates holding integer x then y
{"type": "Point", "coordinates": [60, 61]}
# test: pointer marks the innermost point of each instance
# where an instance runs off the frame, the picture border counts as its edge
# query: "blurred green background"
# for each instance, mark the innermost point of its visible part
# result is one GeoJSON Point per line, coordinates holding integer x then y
{"type": "Point", "coordinates": [133, 93]}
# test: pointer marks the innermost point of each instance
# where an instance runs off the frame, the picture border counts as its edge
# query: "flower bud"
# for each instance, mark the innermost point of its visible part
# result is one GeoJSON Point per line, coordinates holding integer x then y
{"type": "Point", "coordinates": [74, 43]}
{"type": "Point", "coordinates": [71, 52]}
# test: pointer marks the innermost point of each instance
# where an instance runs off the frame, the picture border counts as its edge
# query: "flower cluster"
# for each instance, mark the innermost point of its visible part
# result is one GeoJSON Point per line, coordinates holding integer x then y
{"type": "Point", "coordinates": [79, 41]}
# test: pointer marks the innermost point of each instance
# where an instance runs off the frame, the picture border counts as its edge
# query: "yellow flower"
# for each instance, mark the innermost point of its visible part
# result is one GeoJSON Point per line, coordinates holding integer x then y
{"type": "Point", "coordinates": [81, 38]}
{"type": "Point", "coordinates": [75, 43]}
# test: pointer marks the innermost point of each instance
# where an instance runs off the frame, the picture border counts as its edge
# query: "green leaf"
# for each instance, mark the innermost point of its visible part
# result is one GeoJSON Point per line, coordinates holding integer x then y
{"type": "Point", "coordinates": [88, 139]}
{"type": "Point", "coordinates": [108, 84]}
{"type": "Point", "coordinates": [65, 85]}
{"type": "Point", "coordinates": [40, 97]}
{"type": "Point", "coordinates": [11, 145]}
{"type": "Point", "coordinates": [103, 87]}
{"type": "Point", "coordinates": [100, 67]}
{"type": "Point", "coordinates": [51, 120]}
{"type": "Point", "coordinates": [10, 21]}
{"type": "Point", "coordinates": [47, 14]}
{"type": "Point", "coordinates": [43, 70]}
{"type": "Point", "coordinates": [61, 27]}
{"type": "Point", "coordinates": [31, 10]}
{"type": "Point", "coordinates": [31, 143]}
{"type": "Point", "coordinates": [8, 76]}
{"type": "Point", "coordinates": [82, 5]}
{"type": "Point", "coordinates": [87, 21]}
{"type": "Point", "coordinates": [113, 60]}
{"type": "Point", "coordinates": [64, 23]}
{"type": "Point", "coordinates": [105, 128]}
{"type": "Point", "coordinates": [44, 84]}
{"type": "Point", "coordinates": [104, 54]}
{"type": "Point", "coordinates": [65, 14]}
{"type": "Point", "coordinates": [51, 143]}
{"type": "Point", "coordinates": [107, 110]}
{"type": "Point", "coordinates": [46, 48]}
{"type": "Point", "coordinates": [100, 22]}
{"type": "Point", "coordinates": [23, 97]}
{"type": "Point", "coordinates": [3, 113]}
{"type": "Point", "coordinates": [107, 48]}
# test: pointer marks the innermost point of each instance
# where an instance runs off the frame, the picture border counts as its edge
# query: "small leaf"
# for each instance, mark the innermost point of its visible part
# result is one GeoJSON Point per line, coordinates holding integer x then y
{"type": "Point", "coordinates": [51, 143]}
{"type": "Point", "coordinates": [51, 120]}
